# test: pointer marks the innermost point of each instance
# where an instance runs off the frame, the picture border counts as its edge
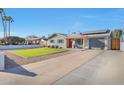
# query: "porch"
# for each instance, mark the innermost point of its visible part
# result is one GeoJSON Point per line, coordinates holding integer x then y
{"type": "Point", "coordinates": [77, 43]}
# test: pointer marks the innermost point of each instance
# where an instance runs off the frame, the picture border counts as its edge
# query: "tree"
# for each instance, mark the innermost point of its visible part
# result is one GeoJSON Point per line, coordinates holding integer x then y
{"type": "Point", "coordinates": [2, 13]}
{"type": "Point", "coordinates": [7, 20]}
{"type": "Point", "coordinates": [2, 41]}
{"type": "Point", "coordinates": [15, 40]}
{"type": "Point", "coordinates": [117, 33]}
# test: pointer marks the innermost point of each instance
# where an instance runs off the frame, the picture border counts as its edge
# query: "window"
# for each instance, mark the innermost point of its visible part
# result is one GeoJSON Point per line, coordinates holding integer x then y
{"type": "Point", "coordinates": [52, 41]}
{"type": "Point", "coordinates": [60, 41]}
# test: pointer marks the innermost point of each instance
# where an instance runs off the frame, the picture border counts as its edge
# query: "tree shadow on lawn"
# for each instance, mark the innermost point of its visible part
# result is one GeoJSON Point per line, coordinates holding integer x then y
{"type": "Point", "coordinates": [12, 67]}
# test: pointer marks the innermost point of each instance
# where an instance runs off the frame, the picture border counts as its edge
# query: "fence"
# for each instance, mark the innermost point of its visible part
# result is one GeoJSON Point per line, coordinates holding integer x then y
{"type": "Point", "coordinates": [12, 47]}
{"type": "Point", "coordinates": [115, 44]}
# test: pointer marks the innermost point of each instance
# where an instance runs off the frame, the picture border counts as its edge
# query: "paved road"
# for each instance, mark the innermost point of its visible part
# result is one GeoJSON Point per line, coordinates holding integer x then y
{"type": "Point", "coordinates": [48, 71]}
{"type": "Point", "coordinates": [107, 68]}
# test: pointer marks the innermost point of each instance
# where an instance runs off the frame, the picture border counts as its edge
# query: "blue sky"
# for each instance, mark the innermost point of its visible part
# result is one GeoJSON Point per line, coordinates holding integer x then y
{"type": "Point", "coordinates": [44, 21]}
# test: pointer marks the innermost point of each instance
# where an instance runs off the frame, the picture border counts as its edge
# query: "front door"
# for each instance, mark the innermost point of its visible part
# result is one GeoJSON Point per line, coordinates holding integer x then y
{"type": "Point", "coordinates": [70, 43]}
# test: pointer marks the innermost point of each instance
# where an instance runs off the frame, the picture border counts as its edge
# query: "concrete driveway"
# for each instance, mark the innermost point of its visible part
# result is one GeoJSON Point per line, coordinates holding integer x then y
{"type": "Point", "coordinates": [78, 68]}
{"type": "Point", "coordinates": [107, 68]}
{"type": "Point", "coordinates": [49, 71]}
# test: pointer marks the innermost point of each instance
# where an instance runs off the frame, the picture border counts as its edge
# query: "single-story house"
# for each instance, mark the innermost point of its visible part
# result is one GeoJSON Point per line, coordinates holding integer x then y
{"type": "Point", "coordinates": [31, 41]}
{"type": "Point", "coordinates": [57, 39]}
{"type": "Point", "coordinates": [100, 39]}
{"type": "Point", "coordinates": [36, 41]}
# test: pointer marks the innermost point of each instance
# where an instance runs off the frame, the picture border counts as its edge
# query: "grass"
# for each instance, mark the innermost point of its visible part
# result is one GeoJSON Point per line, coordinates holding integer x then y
{"type": "Point", "coordinates": [28, 53]}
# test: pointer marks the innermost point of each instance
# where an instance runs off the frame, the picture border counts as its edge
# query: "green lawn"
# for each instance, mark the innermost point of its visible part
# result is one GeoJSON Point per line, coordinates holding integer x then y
{"type": "Point", "coordinates": [28, 53]}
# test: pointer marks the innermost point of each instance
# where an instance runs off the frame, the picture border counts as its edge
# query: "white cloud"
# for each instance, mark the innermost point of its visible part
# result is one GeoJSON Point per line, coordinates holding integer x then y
{"type": "Point", "coordinates": [89, 16]}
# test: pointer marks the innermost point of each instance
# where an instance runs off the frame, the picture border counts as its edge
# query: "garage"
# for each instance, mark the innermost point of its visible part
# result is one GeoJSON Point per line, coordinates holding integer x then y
{"type": "Point", "coordinates": [97, 43]}
{"type": "Point", "coordinates": [100, 39]}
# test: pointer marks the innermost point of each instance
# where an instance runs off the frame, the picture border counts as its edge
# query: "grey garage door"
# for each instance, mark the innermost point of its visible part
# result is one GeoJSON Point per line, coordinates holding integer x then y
{"type": "Point", "coordinates": [97, 43]}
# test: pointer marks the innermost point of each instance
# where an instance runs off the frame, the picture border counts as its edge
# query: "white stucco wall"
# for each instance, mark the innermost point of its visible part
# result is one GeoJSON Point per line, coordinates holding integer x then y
{"type": "Point", "coordinates": [86, 44]}
{"type": "Point", "coordinates": [56, 38]}
{"type": "Point", "coordinates": [107, 43]}
{"type": "Point", "coordinates": [122, 42]}
{"type": "Point", "coordinates": [121, 46]}
{"type": "Point", "coordinates": [2, 61]}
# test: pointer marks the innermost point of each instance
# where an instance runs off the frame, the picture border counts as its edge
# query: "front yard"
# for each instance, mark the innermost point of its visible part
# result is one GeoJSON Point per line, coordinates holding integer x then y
{"type": "Point", "coordinates": [28, 53]}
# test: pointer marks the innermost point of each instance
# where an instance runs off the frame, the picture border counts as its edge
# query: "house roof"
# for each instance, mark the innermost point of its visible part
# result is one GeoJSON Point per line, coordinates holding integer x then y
{"type": "Point", "coordinates": [32, 39]}
{"type": "Point", "coordinates": [74, 36]}
{"type": "Point", "coordinates": [96, 32]}
{"type": "Point", "coordinates": [99, 35]}
{"type": "Point", "coordinates": [91, 34]}
{"type": "Point", "coordinates": [35, 38]}
{"type": "Point", "coordinates": [55, 34]}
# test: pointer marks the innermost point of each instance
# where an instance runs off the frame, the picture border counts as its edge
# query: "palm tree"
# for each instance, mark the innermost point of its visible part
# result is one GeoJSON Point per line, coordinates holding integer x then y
{"type": "Point", "coordinates": [2, 13]}
{"type": "Point", "coordinates": [117, 33]}
{"type": "Point", "coordinates": [8, 19]}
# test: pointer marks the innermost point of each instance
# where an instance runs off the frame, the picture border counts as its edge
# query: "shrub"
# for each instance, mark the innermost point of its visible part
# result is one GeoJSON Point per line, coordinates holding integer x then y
{"type": "Point", "coordinates": [60, 47]}
{"type": "Point", "coordinates": [48, 46]}
{"type": "Point", "coordinates": [57, 46]}
{"type": "Point", "coordinates": [53, 46]}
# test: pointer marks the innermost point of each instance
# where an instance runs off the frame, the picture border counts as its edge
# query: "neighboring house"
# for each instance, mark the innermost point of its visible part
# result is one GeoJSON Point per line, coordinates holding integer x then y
{"type": "Point", "coordinates": [57, 39]}
{"type": "Point", "coordinates": [32, 41]}
{"type": "Point", "coordinates": [36, 41]}
{"type": "Point", "coordinates": [43, 41]}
